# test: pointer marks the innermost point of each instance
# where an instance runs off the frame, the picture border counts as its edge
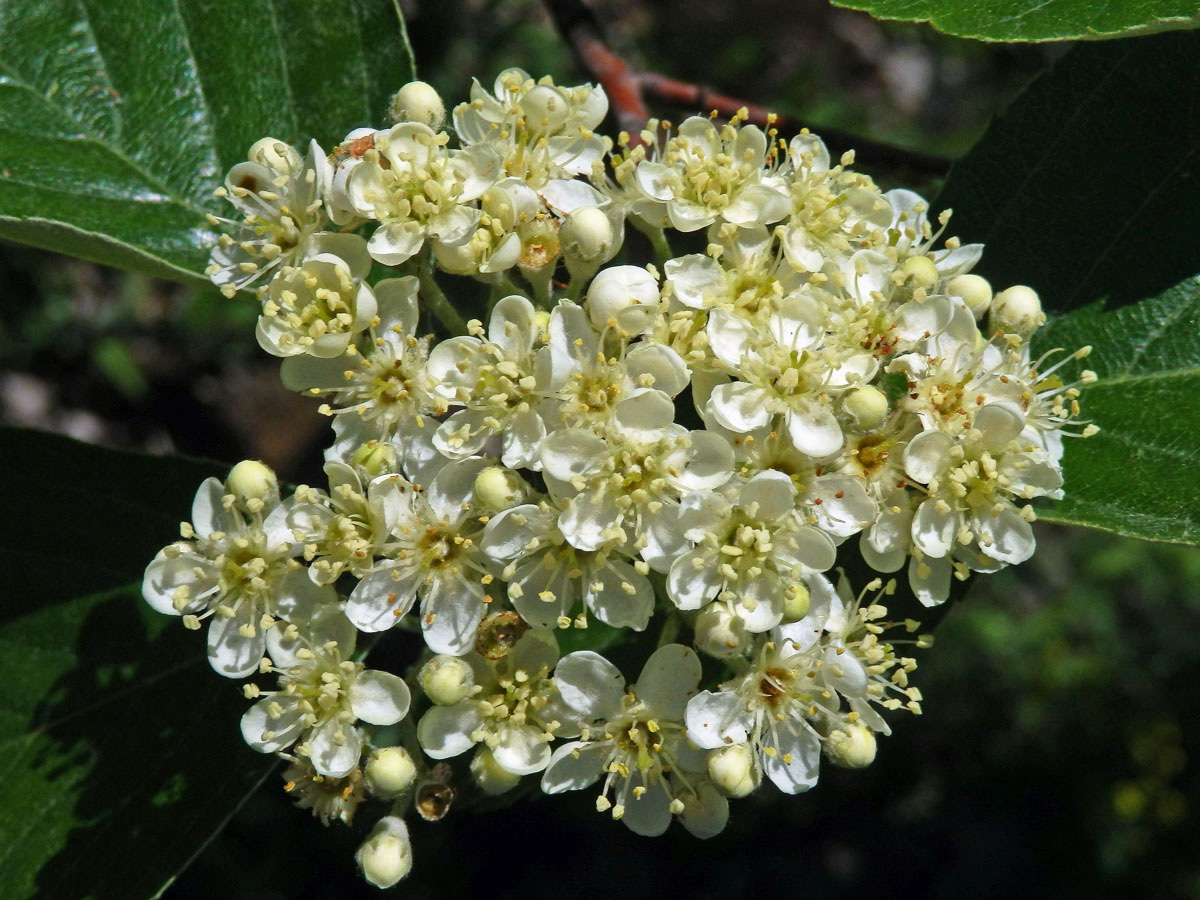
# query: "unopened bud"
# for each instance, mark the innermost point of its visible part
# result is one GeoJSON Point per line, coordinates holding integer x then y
{"type": "Point", "coordinates": [975, 292]}
{"type": "Point", "coordinates": [498, 488]}
{"type": "Point", "coordinates": [385, 856]}
{"type": "Point", "coordinates": [628, 294]}
{"type": "Point", "coordinates": [275, 155]}
{"type": "Point", "coordinates": [252, 480]}
{"type": "Point", "coordinates": [1017, 310]}
{"type": "Point", "coordinates": [866, 406]}
{"type": "Point", "coordinates": [720, 633]}
{"type": "Point", "coordinates": [375, 458]}
{"type": "Point", "coordinates": [732, 770]}
{"type": "Point", "coordinates": [921, 270]}
{"type": "Point", "coordinates": [796, 601]}
{"type": "Point", "coordinates": [389, 772]}
{"type": "Point", "coordinates": [851, 746]}
{"type": "Point", "coordinates": [488, 774]}
{"type": "Point", "coordinates": [446, 680]}
{"type": "Point", "coordinates": [545, 108]}
{"type": "Point", "coordinates": [586, 237]}
{"type": "Point", "coordinates": [418, 102]}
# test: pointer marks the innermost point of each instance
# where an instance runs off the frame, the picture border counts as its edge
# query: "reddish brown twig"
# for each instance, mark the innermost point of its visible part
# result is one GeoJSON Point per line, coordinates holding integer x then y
{"type": "Point", "coordinates": [628, 91]}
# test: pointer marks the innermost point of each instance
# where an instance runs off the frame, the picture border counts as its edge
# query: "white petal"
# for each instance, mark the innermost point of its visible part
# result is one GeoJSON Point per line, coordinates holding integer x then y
{"type": "Point", "coordinates": [208, 512]}
{"type": "Point", "coordinates": [715, 719]}
{"type": "Point", "coordinates": [229, 652]}
{"type": "Point", "coordinates": [694, 579]}
{"type": "Point", "coordinates": [257, 723]}
{"type": "Point", "coordinates": [590, 684]}
{"type": "Point", "coordinates": [773, 492]}
{"type": "Point", "coordinates": [625, 598]}
{"type": "Point", "coordinates": [933, 530]}
{"type": "Point", "coordinates": [586, 520]}
{"type": "Point", "coordinates": [1006, 536]}
{"type": "Point", "coordinates": [650, 814]}
{"type": "Point", "coordinates": [704, 815]}
{"type": "Point", "coordinates": [569, 453]}
{"type": "Point", "coordinates": [382, 597]}
{"type": "Point", "coordinates": [697, 280]}
{"type": "Point", "coordinates": [814, 430]}
{"type": "Point", "coordinates": [575, 765]}
{"type": "Point", "coordinates": [730, 337]}
{"type": "Point", "coordinates": [796, 762]}
{"type": "Point", "coordinates": [930, 578]}
{"type": "Point", "coordinates": [395, 242]}
{"type": "Point", "coordinates": [451, 610]}
{"type": "Point", "coordinates": [643, 416]}
{"type": "Point", "coordinates": [927, 455]}
{"type": "Point", "coordinates": [657, 366]}
{"type": "Point", "coordinates": [336, 748]}
{"type": "Point", "coordinates": [445, 731]}
{"type": "Point", "coordinates": [521, 750]}
{"type": "Point", "coordinates": [1000, 423]}
{"type": "Point", "coordinates": [379, 698]}
{"type": "Point", "coordinates": [668, 680]}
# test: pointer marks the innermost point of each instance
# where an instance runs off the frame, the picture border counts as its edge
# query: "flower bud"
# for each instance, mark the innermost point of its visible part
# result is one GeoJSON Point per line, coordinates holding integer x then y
{"type": "Point", "coordinates": [720, 633]}
{"type": "Point", "coordinates": [497, 488]}
{"type": "Point", "coordinates": [1017, 310]}
{"type": "Point", "coordinates": [375, 458]}
{"type": "Point", "coordinates": [921, 270]}
{"type": "Point", "coordinates": [389, 772]}
{"type": "Point", "coordinates": [974, 291]}
{"type": "Point", "coordinates": [489, 776]}
{"type": "Point", "coordinates": [628, 294]}
{"type": "Point", "coordinates": [732, 770]}
{"type": "Point", "coordinates": [851, 746]}
{"type": "Point", "coordinates": [866, 406]}
{"type": "Point", "coordinates": [252, 480]}
{"type": "Point", "coordinates": [446, 680]}
{"type": "Point", "coordinates": [545, 108]}
{"type": "Point", "coordinates": [385, 856]}
{"type": "Point", "coordinates": [586, 238]}
{"type": "Point", "coordinates": [418, 102]}
{"type": "Point", "coordinates": [796, 601]}
{"type": "Point", "coordinates": [275, 155]}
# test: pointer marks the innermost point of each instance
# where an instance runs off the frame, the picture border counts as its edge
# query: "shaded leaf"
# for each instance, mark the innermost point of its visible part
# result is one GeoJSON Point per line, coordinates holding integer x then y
{"type": "Point", "coordinates": [1037, 20]}
{"type": "Point", "coordinates": [1137, 477]}
{"type": "Point", "coordinates": [122, 755]}
{"type": "Point", "coordinates": [1087, 187]}
{"type": "Point", "coordinates": [117, 121]}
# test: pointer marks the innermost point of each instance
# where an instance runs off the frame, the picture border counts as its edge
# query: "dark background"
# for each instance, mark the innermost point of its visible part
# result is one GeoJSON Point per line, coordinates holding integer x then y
{"type": "Point", "coordinates": [1053, 758]}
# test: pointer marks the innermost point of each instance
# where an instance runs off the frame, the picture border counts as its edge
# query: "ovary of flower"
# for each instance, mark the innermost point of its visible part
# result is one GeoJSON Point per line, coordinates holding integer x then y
{"type": "Point", "coordinates": [637, 745]}
{"type": "Point", "coordinates": [706, 174]}
{"type": "Point", "coordinates": [322, 692]}
{"type": "Point", "coordinates": [410, 183]}
{"type": "Point", "coordinates": [238, 568]}
{"type": "Point", "coordinates": [430, 550]}
{"type": "Point", "coordinates": [513, 710]}
{"type": "Point", "coordinates": [497, 381]}
{"type": "Point", "coordinates": [751, 548]}
{"type": "Point", "coordinates": [278, 197]}
{"type": "Point", "coordinates": [547, 576]}
{"type": "Point", "coordinates": [972, 482]}
{"type": "Point", "coordinates": [316, 308]}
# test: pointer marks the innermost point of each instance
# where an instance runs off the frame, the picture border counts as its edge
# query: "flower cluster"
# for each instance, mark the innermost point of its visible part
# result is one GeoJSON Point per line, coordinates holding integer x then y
{"type": "Point", "coordinates": [694, 445]}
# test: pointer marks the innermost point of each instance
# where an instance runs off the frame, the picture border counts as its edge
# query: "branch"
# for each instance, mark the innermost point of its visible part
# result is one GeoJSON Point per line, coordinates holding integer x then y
{"type": "Point", "coordinates": [628, 91]}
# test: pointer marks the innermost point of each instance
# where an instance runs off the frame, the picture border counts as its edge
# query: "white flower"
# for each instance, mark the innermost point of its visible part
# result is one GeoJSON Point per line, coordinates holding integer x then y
{"type": "Point", "coordinates": [705, 174]}
{"type": "Point", "coordinates": [322, 693]}
{"type": "Point", "coordinates": [496, 243]}
{"type": "Point", "coordinates": [972, 482]}
{"type": "Point", "coordinates": [238, 568]}
{"type": "Point", "coordinates": [410, 183]}
{"type": "Point", "coordinates": [542, 131]}
{"type": "Point", "coordinates": [788, 372]}
{"type": "Point", "coordinates": [752, 549]}
{"type": "Point", "coordinates": [320, 305]}
{"type": "Point", "coordinates": [791, 698]}
{"type": "Point", "coordinates": [626, 484]}
{"type": "Point", "coordinates": [380, 394]}
{"type": "Point", "coordinates": [638, 745]}
{"type": "Point", "coordinates": [547, 576]}
{"type": "Point", "coordinates": [514, 710]}
{"type": "Point", "coordinates": [278, 198]}
{"type": "Point", "coordinates": [498, 381]}
{"type": "Point", "coordinates": [431, 551]}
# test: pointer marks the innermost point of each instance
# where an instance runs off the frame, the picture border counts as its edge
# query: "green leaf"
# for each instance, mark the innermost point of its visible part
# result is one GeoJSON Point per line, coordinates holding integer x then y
{"type": "Point", "coordinates": [122, 755]}
{"type": "Point", "coordinates": [1137, 477]}
{"type": "Point", "coordinates": [118, 120]}
{"type": "Point", "coordinates": [1087, 186]}
{"type": "Point", "coordinates": [1037, 20]}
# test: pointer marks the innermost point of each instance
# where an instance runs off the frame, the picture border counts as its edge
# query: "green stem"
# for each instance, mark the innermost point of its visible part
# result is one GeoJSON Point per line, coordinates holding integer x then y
{"type": "Point", "coordinates": [657, 237]}
{"type": "Point", "coordinates": [438, 303]}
